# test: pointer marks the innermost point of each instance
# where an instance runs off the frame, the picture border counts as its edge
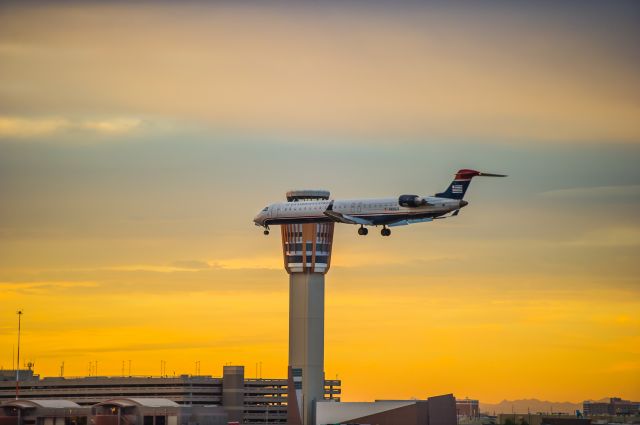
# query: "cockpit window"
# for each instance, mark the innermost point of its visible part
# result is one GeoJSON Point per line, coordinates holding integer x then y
{"type": "Point", "coordinates": [265, 209]}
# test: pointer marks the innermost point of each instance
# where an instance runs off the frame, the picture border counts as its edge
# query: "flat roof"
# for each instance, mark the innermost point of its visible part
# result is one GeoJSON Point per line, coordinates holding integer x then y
{"type": "Point", "coordinates": [32, 403]}
{"type": "Point", "coordinates": [139, 401]}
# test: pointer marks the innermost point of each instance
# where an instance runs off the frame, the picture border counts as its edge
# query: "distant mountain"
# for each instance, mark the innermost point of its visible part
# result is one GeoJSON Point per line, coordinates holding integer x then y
{"type": "Point", "coordinates": [530, 405]}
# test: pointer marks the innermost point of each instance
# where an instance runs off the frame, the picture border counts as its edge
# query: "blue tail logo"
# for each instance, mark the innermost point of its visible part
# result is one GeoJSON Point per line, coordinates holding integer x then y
{"type": "Point", "coordinates": [460, 183]}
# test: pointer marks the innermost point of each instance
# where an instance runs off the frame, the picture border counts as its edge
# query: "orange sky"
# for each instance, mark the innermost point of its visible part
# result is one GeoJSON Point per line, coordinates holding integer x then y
{"type": "Point", "coordinates": [138, 142]}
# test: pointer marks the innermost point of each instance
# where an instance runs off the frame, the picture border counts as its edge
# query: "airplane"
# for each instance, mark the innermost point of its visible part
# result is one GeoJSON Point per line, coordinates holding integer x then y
{"type": "Point", "coordinates": [386, 212]}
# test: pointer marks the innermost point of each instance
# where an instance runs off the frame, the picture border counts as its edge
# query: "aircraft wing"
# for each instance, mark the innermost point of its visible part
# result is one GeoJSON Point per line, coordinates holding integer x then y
{"type": "Point", "coordinates": [347, 219]}
{"type": "Point", "coordinates": [409, 221]}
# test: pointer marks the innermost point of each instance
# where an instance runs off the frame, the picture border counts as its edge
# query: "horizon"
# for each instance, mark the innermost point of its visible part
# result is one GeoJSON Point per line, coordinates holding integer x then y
{"type": "Point", "coordinates": [138, 141]}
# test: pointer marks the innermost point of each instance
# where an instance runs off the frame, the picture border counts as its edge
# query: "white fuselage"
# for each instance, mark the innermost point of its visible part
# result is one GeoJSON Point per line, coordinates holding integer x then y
{"type": "Point", "coordinates": [379, 211]}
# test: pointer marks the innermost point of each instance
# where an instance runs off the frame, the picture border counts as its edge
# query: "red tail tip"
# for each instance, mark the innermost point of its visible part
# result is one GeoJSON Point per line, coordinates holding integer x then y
{"type": "Point", "coordinates": [465, 174]}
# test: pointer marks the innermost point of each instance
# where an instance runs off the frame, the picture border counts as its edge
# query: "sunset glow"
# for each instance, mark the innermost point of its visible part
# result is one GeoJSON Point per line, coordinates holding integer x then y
{"type": "Point", "coordinates": [137, 142]}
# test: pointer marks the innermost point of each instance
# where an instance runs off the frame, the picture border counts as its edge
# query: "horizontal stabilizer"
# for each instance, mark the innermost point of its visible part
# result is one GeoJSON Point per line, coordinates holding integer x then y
{"type": "Point", "coordinates": [491, 175]}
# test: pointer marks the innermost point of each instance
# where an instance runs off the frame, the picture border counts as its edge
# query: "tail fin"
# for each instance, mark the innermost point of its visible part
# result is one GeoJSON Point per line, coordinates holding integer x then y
{"type": "Point", "coordinates": [460, 183]}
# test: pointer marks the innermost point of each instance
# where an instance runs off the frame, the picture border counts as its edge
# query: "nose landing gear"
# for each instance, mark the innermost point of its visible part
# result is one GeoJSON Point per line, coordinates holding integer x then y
{"type": "Point", "coordinates": [362, 231]}
{"type": "Point", "coordinates": [385, 231]}
{"type": "Point", "coordinates": [266, 231]}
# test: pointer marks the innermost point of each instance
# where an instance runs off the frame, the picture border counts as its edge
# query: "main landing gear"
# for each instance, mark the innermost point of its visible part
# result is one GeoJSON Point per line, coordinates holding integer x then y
{"type": "Point", "coordinates": [363, 231]}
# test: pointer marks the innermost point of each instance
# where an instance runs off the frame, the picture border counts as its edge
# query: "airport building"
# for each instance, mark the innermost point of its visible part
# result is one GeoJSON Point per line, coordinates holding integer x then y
{"type": "Point", "coordinates": [119, 411]}
{"type": "Point", "coordinates": [195, 400]}
{"type": "Point", "coordinates": [467, 408]}
{"type": "Point", "coordinates": [614, 407]}
{"type": "Point", "coordinates": [160, 411]}
{"type": "Point", "coordinates": [246, 400]}
{"type": "Point", "coordinates": [440, 410]}
{"type": "Point", "coordinates": [540, 419]}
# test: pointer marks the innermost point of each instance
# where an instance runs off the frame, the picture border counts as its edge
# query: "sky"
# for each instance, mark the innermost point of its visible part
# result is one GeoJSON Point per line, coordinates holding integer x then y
{"type": "Point", "coordinates": [138, 141]}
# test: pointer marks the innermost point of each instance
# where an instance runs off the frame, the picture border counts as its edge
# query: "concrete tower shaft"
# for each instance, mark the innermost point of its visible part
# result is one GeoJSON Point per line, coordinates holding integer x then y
{"type": "Point", "coordinates": [307, 258]}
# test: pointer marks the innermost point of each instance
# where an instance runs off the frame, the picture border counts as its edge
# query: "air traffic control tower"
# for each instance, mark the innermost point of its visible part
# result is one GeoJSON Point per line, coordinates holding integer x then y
{"type": "Point", "coordinates": [307, 255]}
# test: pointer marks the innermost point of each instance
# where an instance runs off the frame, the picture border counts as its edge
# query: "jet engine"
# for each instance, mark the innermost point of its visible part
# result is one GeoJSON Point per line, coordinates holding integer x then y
{"type": "Point", "coordinates": [412, 201]}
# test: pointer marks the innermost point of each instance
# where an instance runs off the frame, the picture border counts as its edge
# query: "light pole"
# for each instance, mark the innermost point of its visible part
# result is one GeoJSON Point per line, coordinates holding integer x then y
{"type": "Point", "coordinates": [19, 313]}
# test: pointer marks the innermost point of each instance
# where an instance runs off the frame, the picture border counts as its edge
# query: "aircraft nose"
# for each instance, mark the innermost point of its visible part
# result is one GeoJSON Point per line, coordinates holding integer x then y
{"type": "Point", "coordinates": [463, 204]}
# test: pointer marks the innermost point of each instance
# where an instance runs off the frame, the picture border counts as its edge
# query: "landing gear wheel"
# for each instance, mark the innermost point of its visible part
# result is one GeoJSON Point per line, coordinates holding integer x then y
{"type": "Point", "coordinates": [385, 232]}
{"type": "Point", "coordinates": [266, 232]}
{"type": "Point", "coordinates": [363, 231]}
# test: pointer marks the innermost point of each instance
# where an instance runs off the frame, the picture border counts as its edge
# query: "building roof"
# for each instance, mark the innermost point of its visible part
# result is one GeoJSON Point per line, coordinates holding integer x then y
{"type": "Point", "coordinates": [330, 412]}
{"type": "Point", "coordinates": [139, 401]}
{"type": "Point", "coordinates": [32, 403]}
{"type": "Point", "coordinates": [307, 194]}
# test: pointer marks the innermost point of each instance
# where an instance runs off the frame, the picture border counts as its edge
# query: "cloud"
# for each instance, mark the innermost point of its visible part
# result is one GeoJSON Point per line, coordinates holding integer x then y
{"type": "Point", "coordinates": [114, 126]}
{"type": "Point", "coordinates": [45, 286]}
{"type": "Point", "coordinates": [158, 268]}
{"type": "Point", "coordinates": [23, 127]}
{"type": "Point", "coordinates": [628, 366]}
{"type": "Point", "coordinates": [610, 237]}
{"type": "Point", "coordinates": [360, 72]}
{"type": "Point", "coordinates": [29, 127]}
{"type": "Point", "coordinates": [191, 264]}
{"type": "Point", "coordinates": [598, 192]}
{"type": "Point", "coordinates": [250, 263]}
{"type": "Point", "coordinates": [136, 346]}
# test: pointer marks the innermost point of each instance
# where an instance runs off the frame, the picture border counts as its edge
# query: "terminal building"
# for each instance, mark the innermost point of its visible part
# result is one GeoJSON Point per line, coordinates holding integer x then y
{"type": "Point", "coordinates": [119, 411]}
{"type": "Point", "coordinates": [540, 419]}
{"type": "Point", "coordinates": [195, 400]}
{"type": "Point", "coordinates": [615, 407]}
{"type": "Point", "coordinates": [249, 401]}
{"type": "Point", "coordinates": [468, 408]}
{"type": "Point", "coordinates": [160, 411]}
{"type": "Point", "coordinates": [439, 410]}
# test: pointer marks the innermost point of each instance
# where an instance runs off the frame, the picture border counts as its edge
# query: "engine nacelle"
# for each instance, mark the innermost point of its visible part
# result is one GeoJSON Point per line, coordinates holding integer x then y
{"type": "Point", "coordinates": [412, 201]}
